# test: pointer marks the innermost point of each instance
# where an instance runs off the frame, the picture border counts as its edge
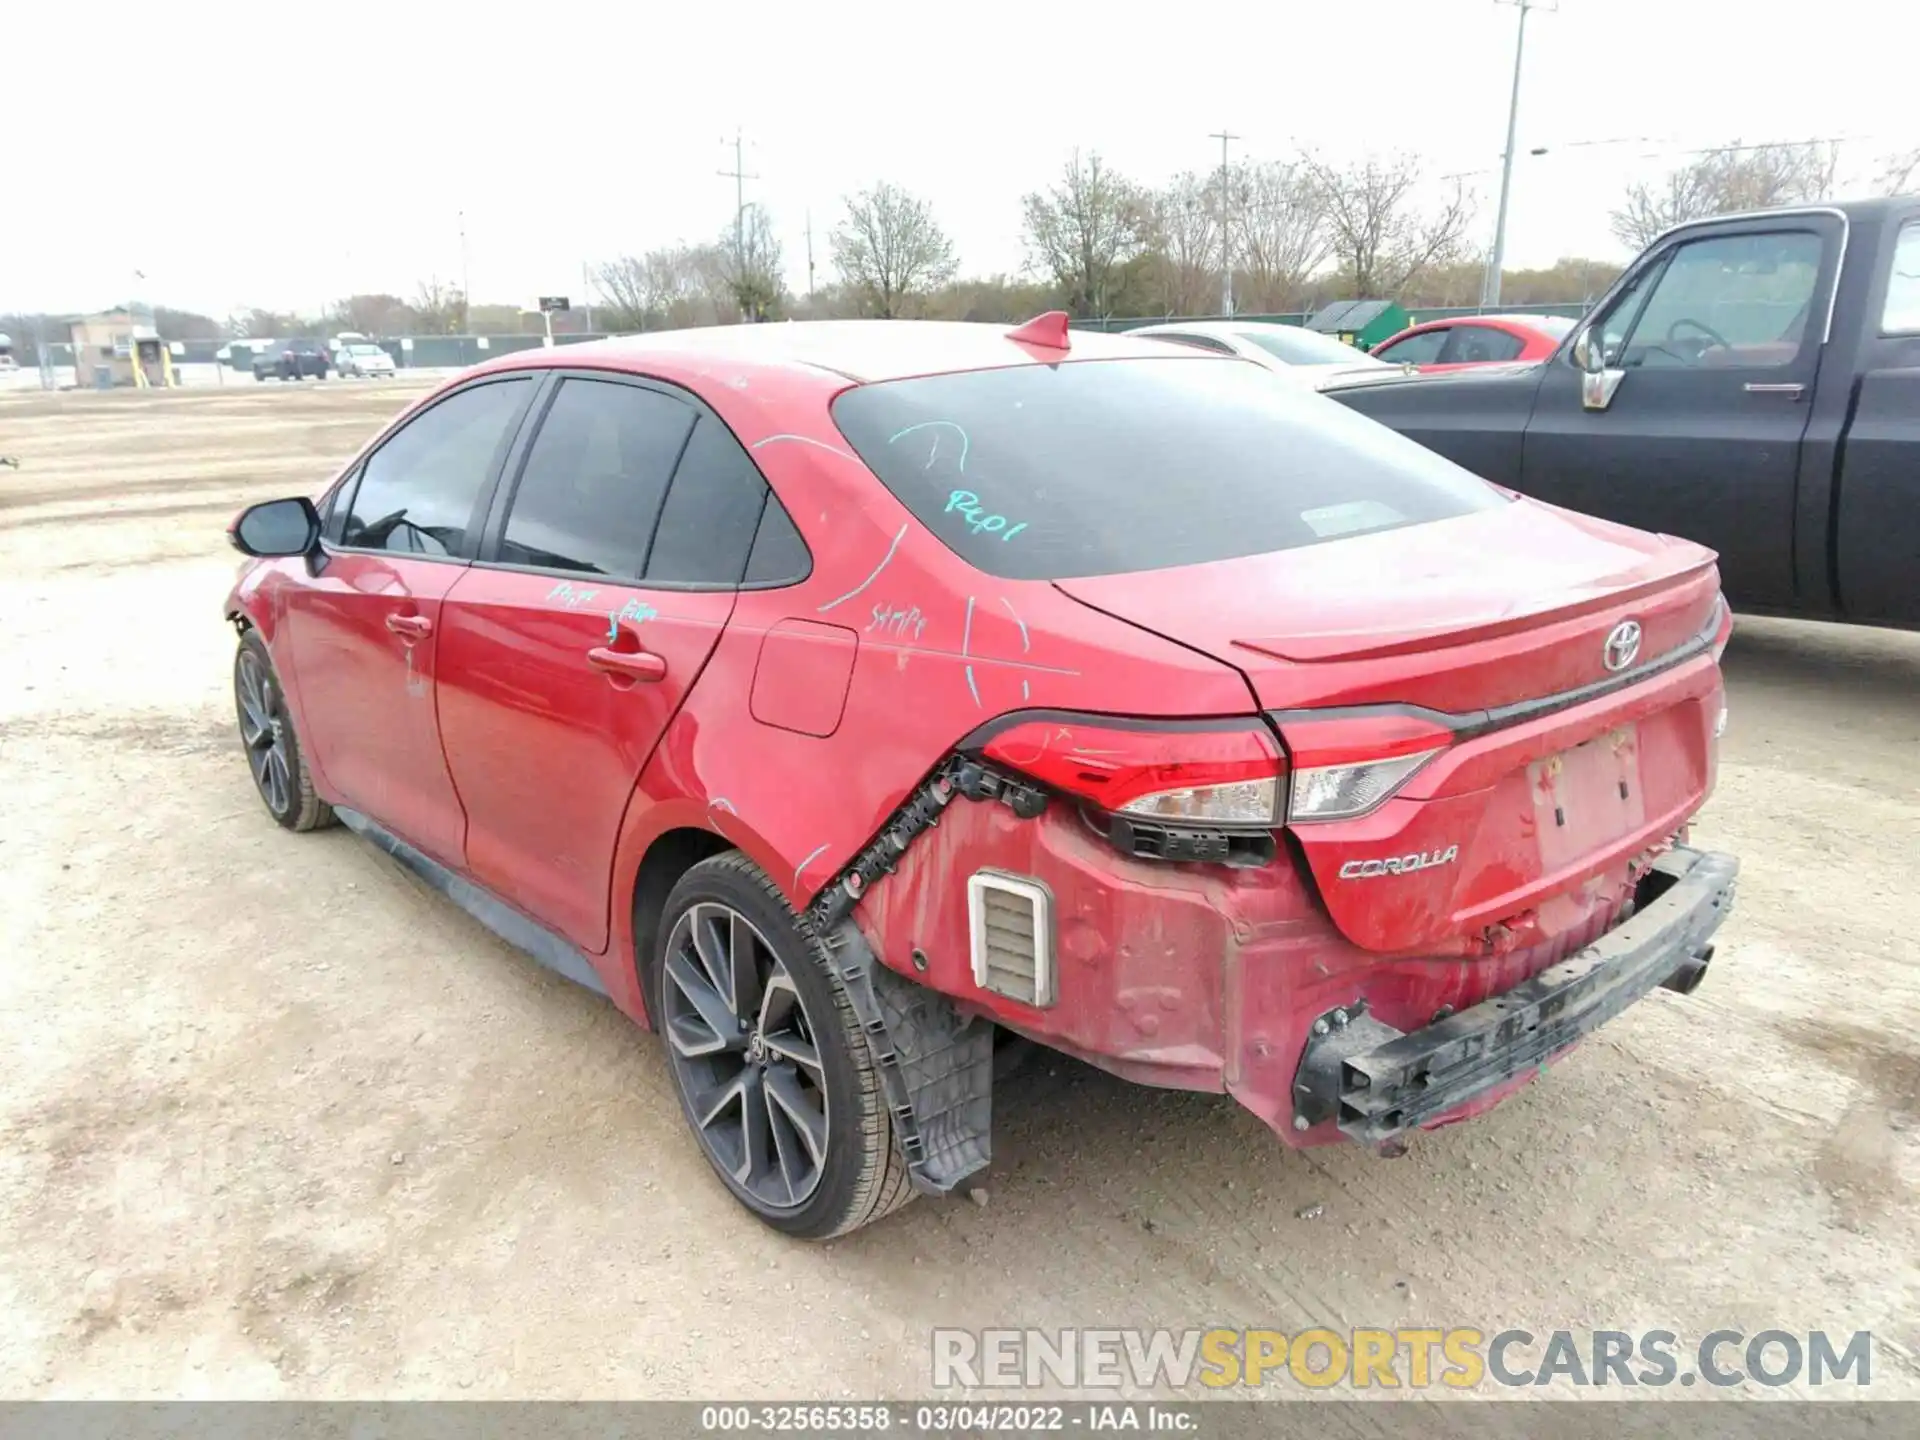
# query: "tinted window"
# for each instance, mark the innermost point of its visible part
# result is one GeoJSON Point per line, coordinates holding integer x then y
{"type": "Point", "coordinates": [1421, 349]}
{"type": "Point", "coordinates": [1480, 345]}
{"type": "Point", "coordinates": [589, 495]}
{"type": "Point", "coordinates": [712, 512]}
{"type": "Point", "coordinates": [1902, 314]}
{"type": "Point", "coordinates": [1037, 472]}
{"type": "Point", "coordinates": [780, 556]}
{"type": "Point", "coordinates": [1729, 300]}
{"type": "Point", "coordinates": [417, 491]}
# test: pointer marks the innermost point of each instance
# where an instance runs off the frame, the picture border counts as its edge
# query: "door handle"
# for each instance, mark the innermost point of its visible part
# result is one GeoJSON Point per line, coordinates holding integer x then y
{"type": "Point", "coordinates": [412, 627]}
{"type": "Point", "coordinates": [1792, 392]}
{"type": "Point", "coordinates": [633, 664]}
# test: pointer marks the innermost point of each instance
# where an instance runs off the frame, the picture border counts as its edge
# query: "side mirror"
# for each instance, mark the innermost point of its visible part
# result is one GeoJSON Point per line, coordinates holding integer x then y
{"type": "Point", "coordinates": [1598, 382]}
{"type": "Point", "coordinates": [274, 529]}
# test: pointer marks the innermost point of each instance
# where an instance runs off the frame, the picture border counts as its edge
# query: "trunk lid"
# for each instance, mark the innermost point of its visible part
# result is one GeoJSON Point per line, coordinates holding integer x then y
{"type": "Point", "coordinates": [1557, 768]}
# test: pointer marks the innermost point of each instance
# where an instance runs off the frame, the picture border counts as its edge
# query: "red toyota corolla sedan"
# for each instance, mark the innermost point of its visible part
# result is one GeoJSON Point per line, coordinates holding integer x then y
{"type": "Point", "coordinates": [837, 697]}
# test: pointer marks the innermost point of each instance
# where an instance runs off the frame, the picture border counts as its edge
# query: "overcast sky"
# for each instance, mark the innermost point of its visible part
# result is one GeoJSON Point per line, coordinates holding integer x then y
{"type": "Point", "coordinates": [287, 155]}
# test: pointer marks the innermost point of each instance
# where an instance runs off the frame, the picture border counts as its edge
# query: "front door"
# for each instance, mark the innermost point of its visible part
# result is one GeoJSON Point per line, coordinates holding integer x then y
{"type": "Point", "coordinates": [609, 571]}
{"type": "Point", "coordinates": [1719, 340]}
{"type": "Point", "coordinates": [364, 630]}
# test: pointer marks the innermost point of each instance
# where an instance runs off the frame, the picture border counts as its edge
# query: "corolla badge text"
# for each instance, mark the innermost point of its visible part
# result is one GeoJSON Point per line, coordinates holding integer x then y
{"type": "Point", "coordinates": [1399, 864]}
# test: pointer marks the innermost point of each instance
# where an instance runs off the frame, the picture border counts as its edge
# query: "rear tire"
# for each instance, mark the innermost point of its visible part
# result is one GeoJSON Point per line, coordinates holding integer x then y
{"type": "Point", "coordinates": [770, 1062]}
{"type": "Point", "coordinates": [271, 744]}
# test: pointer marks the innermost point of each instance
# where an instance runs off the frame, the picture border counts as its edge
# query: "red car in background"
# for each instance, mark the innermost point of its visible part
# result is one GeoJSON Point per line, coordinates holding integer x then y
{"type": "Point", "coordinates": [1475, 340]}
{"type": "Point", "coordinates": [837, 697]}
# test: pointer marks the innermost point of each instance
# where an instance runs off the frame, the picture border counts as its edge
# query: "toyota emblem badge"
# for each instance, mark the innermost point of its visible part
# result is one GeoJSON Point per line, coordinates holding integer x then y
{"type": "Point", "coordinates": [1623, 645]}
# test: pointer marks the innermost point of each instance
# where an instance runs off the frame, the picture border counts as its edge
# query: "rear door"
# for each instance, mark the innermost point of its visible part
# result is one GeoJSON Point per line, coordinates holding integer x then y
{"type": "Point", "coordinates": [1717, 336]}
{"type": "Point", "coordinates": [609, 570]}
{"type": "Point", "coordinates": [365, 626]}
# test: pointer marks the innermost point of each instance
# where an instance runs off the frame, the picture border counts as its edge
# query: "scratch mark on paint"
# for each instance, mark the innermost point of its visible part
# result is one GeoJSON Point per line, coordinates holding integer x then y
{"type": "Point", "coordinates": [973, 687]}
{"type": "Point", "coordinates": [965, 443]}
{"type": "Point", "coordinates": [1025, 694]}
{"type": "Point", "coordinates": [967, 635]}
{"type": "Point", "coordinates": [884, 561]}
{"type": "Point", "coordinates": [1025, 645]}
{"type": "Point", "coordinates": [720, 802]}
{"type": "Point", "coordinates": [806, 862]}
{"type": "Point", "coordinates": [809, 440]}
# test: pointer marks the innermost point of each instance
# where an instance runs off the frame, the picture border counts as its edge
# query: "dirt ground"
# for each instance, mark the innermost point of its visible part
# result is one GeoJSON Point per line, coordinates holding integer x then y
{"type": "Point", "coordinates": [276, 1121]}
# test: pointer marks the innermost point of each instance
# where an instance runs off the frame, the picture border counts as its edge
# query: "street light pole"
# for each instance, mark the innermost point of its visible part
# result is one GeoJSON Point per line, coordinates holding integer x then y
{"type": "Point", "coordinates": [1226, 240]}
{"type": "Point", "coordinates": [1490, 286]}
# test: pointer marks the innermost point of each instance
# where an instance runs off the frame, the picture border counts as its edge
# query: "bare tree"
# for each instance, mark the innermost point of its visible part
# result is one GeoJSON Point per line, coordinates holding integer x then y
{"type": "Point", "coordinates": [750, 265]}
{"type": "Point", "coordinates": [890, 250]}
{"type": "Point", "coordinates": [1084, 231]}
{"type": "Point", "coordinates": [440, 309]}
{"type": "Point", "coordinates": [1280, 234]}
{"type": "Point", "coordinates": [1381, 233]}
{"type": "Point", "coordinates": [373, 315]}
{"type": "Point", "coordinates": [673, 287]}
{"type": "Point", "coordinates": [1898, 173]}
{"type": "Point", "coordinates": [1725, 181]}
{"type": "Point", "coordinates": [1180, 230]}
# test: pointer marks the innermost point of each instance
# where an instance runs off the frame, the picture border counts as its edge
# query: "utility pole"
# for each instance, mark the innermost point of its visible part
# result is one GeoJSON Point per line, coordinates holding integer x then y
{"type": "Point", "coordinates": [1226, 238]}
{"type": "Point", "coordinates": [740, 178]}
{"type": "Point", "coordinates": [1490, 286]}
{"type": "Point", "coordinates": [466, 272]}
{"type": "Point", "coordinates": [810, 314]}
{"type": "Point", "coordinates": [586, 293]}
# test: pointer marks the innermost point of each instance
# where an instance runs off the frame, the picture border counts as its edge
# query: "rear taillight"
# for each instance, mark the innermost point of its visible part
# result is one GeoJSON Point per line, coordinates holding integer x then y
{"type": "Point", "coordinates": [1349, 766]}
{"type": "Point", "coordinates": [1228, 774]}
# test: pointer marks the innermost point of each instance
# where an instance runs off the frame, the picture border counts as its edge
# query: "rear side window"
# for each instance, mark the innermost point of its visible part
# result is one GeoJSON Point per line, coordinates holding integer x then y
{"type": "Point", "coordinates": [1044, 472]}
{"type": "Point", "coordinates": [590, 494]}
{"type": "Point", "coordinates": [780, 556]}
{"type": "Point", "coordinates": [417, 492]}
{"type": "Point", "coordinates": [707, 527]}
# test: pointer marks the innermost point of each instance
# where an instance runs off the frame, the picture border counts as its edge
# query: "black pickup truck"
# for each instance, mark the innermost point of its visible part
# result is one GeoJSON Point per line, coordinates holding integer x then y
{"type": "Point", "coordinates": [1752, 382]}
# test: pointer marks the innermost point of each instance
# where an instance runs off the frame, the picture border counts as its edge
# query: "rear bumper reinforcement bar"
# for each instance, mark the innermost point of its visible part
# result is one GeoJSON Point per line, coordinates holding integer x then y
{"type": "Point", "coordinates": [1382, 1083]}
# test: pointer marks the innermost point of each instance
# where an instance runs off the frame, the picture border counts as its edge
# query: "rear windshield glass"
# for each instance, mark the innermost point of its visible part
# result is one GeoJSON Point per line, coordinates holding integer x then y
{"type": "Point", "coordinates": [1303, 347]}
{"type": "Point", "coordinates": [1044, 472]}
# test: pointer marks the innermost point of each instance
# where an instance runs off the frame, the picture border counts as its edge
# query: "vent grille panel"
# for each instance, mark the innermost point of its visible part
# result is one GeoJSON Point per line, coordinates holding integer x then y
{"type": "Point", "coordinates": [1011, 920]}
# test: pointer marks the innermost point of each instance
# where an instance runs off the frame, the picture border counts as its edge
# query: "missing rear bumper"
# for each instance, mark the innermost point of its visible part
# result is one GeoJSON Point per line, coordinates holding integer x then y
{"type": "Point", "coordinates": [1381, 1083]}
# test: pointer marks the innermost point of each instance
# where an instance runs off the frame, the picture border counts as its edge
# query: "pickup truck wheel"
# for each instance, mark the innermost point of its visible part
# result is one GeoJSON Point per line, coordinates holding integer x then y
{"type": "Point", "coordinates": [770, 1062]}
{"type": "Point", "coordinates": [271, 744]}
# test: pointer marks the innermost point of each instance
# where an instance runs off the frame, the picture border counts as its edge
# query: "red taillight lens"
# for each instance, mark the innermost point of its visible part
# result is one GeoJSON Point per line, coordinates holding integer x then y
{"type": "Point", "coordinates": [1229, 773]}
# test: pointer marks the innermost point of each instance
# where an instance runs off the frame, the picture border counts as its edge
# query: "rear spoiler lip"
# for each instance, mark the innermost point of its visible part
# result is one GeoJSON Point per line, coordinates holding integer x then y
{"type": "Point", "coordinates": [1466, 725]}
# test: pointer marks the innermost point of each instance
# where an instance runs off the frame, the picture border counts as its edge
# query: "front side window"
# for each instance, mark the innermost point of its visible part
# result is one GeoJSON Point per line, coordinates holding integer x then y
{"type": "Point", "coordinates": [1102, 467]}
{"type": "Point", "coordinates": [1726, 301]}
{"type": "Point", "coordinates": [590, 494]}
{"type": "Point", "coordinates": [1480, 345]}
{"type": "Point", "coordinates": [1902, 313]}
{"type": "Point", "coordinates": [1421, 349]}
{"type": "Point", "coordinates": [417, 492]}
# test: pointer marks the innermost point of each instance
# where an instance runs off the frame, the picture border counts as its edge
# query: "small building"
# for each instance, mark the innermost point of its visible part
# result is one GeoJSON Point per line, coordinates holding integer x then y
{"type": "Point", "coordinates": [116, 348]}
{"type": "Point", "coordinates": [1360, 323]}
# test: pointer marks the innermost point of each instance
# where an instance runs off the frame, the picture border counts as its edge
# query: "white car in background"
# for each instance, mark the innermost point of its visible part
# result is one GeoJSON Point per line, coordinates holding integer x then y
{"type": "Point", "coordinates": [1297, 353]}
{"type": "Point", "coordinates": [362, 358]}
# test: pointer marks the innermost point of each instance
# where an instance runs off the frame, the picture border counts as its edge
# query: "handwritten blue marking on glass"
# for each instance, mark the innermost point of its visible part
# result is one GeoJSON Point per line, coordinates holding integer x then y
{"type": "Point", "coordinates": [968, 504]}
